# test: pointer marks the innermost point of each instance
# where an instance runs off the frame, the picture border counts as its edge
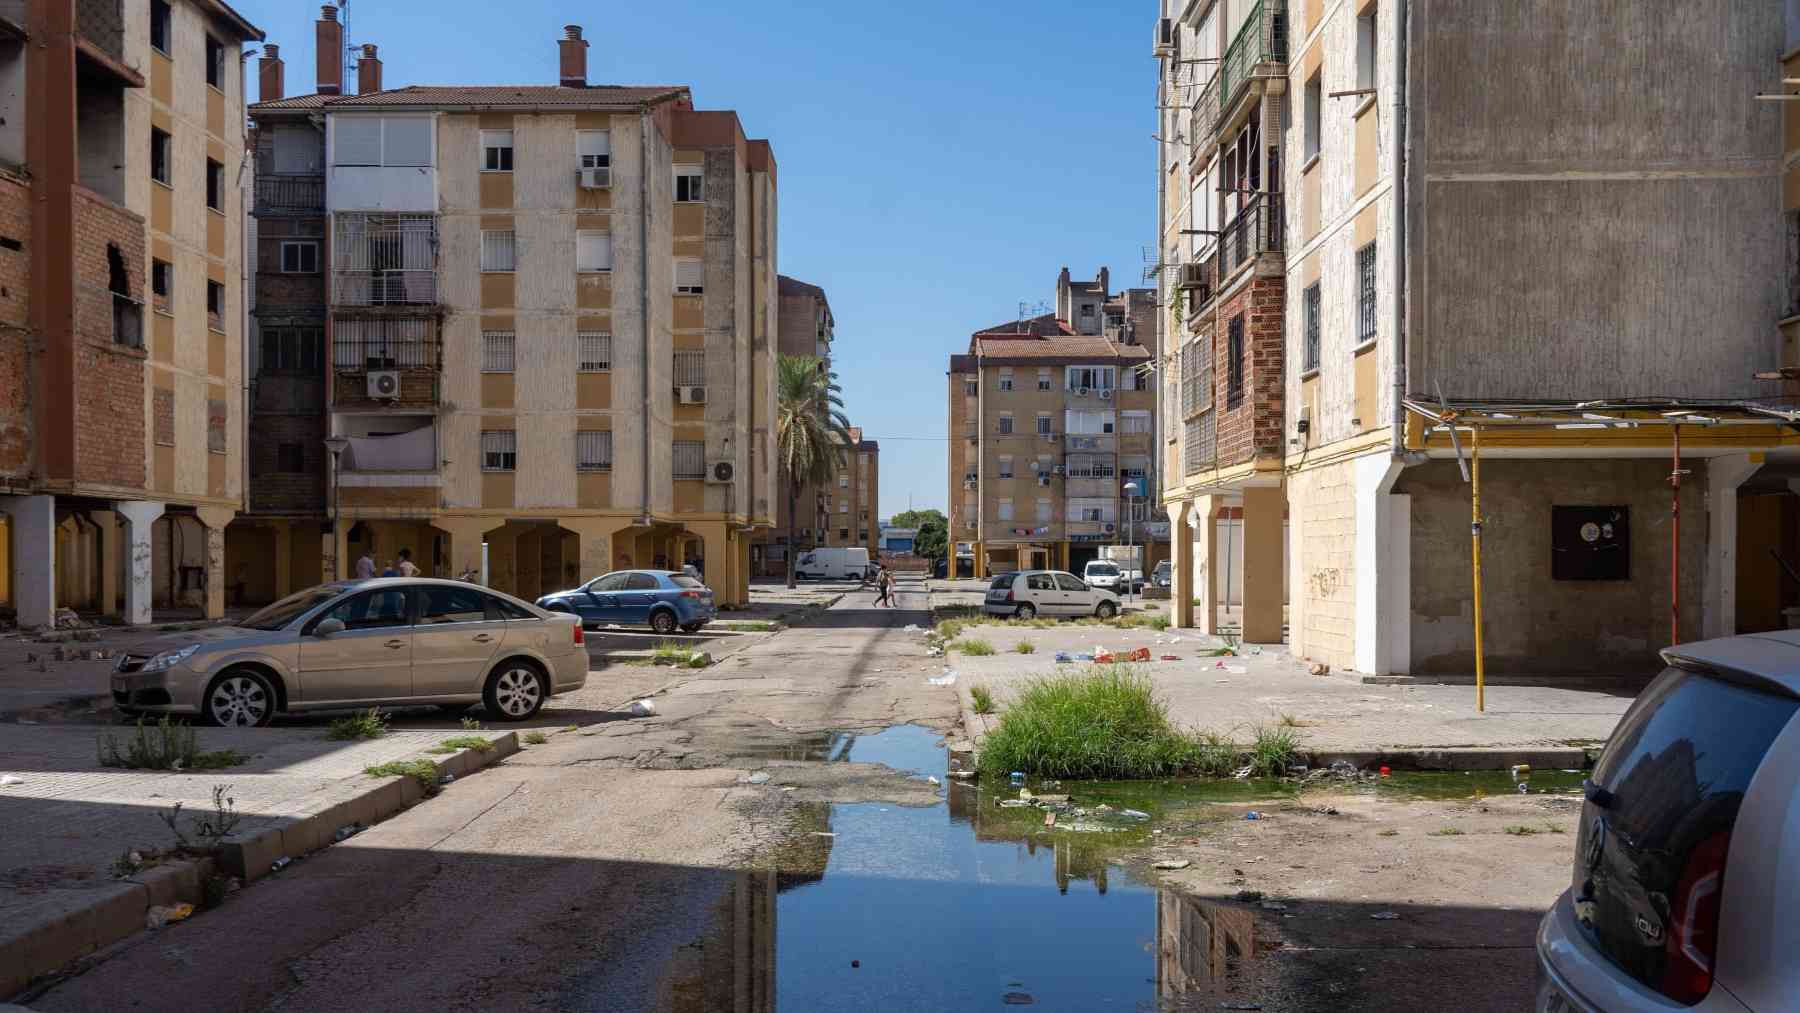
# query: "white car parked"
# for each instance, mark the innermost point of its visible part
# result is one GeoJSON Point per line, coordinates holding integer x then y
{"type": "Point", "coordinates": [1683, 893]}
{"type": "Point", "coordinates": [1049, 593]}
{"type": "Point", "coordinates": [1104, 574]}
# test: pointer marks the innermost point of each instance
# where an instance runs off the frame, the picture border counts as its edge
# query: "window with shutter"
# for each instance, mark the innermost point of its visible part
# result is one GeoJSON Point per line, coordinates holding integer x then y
{"type": "Point", "coordinates": [595, 352]}
{"type": "Point", "coordinates": [356, 140]}
{"type": "Point", "coordinates": [593, 250]}
{"type": "Point", "coordinates": [690, 459]}
{"type": "Point", "coordinates": [499, 450]}
{"type": "Point", "coordinates": [406, 141]}
{"type": "Point", "coordinates": [497, 351]}
{"type": "Point", "coordinates": [593, 451]}
{"type": "Point", "coordinates": [496, 151]}
{"type": "Point", "coordinates": [498, 252]}
{"type": "Point", "coordinates": [690, 277]}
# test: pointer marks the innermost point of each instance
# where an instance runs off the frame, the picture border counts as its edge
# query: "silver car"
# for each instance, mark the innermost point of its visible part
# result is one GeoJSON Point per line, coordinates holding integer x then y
{"type": "Point", "coordinates": [387, 642]}
{"type": "Point", "coordinates": [1684, 888]}
{"type": "Point", "coordinates": [1050, 593]}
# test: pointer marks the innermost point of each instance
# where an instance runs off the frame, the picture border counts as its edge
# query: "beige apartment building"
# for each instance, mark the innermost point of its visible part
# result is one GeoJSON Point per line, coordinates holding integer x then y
{"type": "Point", "coordinates": [1047, 427]}
{"type": "Point", "coordinates": [121, 255]}
{"type": "Point", "coordinates": [550, 314]}
{"type": "Point", "coordinates": [1587, 293]}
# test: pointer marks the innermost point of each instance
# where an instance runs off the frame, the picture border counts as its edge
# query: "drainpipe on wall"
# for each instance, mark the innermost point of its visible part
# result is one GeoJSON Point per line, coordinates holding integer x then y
{"type": "Point", "coordinates": [1403, 37]}
{"type": "Point", "coordinates": [244, 284]}
{"type": "Point", "coordinates": [644, 294]}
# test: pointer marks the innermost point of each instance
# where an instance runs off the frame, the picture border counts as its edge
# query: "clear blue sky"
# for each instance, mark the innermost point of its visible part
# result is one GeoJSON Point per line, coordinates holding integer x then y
{"type": "Point", "coordinates": [938, 162]}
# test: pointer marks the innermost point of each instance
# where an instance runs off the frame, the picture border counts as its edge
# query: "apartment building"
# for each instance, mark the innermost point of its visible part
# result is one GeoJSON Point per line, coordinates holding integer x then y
{"type": "Point", "coordinates": [1574, 292]}
{"type": "Point", "coordinates": [549, 314]}
{"type": "Point", "coordinates": [1048, 426]}
{"type": "Point", "coordinates": [121, 250]}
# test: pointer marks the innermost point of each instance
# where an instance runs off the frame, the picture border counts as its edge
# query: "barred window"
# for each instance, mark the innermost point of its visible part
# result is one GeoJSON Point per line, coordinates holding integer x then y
{"type": "Point", "coordinates": [497, 351]}
{"type": "Point", "coordinates": [690, 459]}
{"type": "Point", "coordinates": [1197, 444]}
{"type": "Point", "coordinates": [1043, 423]}
{"type": "Point", "coordinates": [690, 369]}
{"type": "Point", "coordinates": [1234, 361]}
{"type": "Point", "coordinates": [499, 450]}
{"type": "Point", "coordinates": [383, 343]}
{"type": "Point", "coordinates": [498, 250]}
{"type": "Point", "coordinates": [593, 451]}
{"type": "Point", "coordinates": [595, 351]}
{"type": "Point", "coordinates": [1006, 424]}
{"type": "Point", "coordinates": [1310, 316]}
{"type": "Point", "coordinates": [1365, 295]}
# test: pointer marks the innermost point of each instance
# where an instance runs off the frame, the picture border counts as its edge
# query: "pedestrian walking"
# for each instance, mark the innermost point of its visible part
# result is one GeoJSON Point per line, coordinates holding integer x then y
{"type": "Point", "coordinates": [881, 589]}
{"type": "Point", "coordinates": [887, 587]}
{"type": "Point", "coordinates": [408, 568]}
{"type": "Point", "coordinates": [365, 567]}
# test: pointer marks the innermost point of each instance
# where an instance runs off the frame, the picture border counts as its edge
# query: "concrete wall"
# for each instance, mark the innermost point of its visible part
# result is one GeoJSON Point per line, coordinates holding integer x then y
{"type": "Point", "coordinates": [1535, 625]}
{"type": "Point", "coordinates": [1595, 207]}
{"type": "Point", "coordinates": [1322, 566]}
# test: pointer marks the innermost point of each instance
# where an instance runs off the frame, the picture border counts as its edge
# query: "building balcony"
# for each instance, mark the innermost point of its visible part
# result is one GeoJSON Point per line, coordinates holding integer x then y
{"type": "Point", "coordinates": [1075, 443]}
{"type": "Point", "coordinates": [384, 288]}
{"type": "Point", "coordinates": [1087, 487]}
{"type": "Point", "coordinates": [290, 195]}
{"type": "Point", "coordinates": [1260, 50]}
{"type": "Point", "coordinates": [1259, 228]}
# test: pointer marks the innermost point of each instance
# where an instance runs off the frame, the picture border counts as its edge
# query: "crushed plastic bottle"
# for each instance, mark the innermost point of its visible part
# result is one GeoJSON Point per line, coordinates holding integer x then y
{"type": "Point", "coordinates": [1017, 779]}
{"type": "Point", "coordinates": [947, 679]}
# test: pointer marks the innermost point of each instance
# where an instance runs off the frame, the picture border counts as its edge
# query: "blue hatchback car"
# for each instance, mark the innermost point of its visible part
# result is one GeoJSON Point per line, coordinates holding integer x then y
{"type": "Point", "coordinates": [659, 599]}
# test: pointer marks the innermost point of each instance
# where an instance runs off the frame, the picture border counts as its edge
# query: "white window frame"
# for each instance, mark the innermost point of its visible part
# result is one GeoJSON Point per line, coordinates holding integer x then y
{"type": "Point", "coordinates": [1044, 424]}
{"type": "Point", "coordinates": [593, 352]}
{"type": "Point", "coordinates": [1134, 421]}
{"type": "Point", "coordinates": [497, 150]}
{"type": "Point", "coordinates": [1006, 378]}
{"type": "Point", "coordinates": [1365, 50]}
{"type": "Point", "coordinates": [497, 447]}
{"type": "Point", "coordinates": [694, 178]}
{"type": "Point", "coordinates": [593, 251]}
{"type": "Point", "coordinates": [300, 246]}
{"type": "Point", "coordinates": [1313, 113]}
{"type": "Point", "coordinates": [593, 450]}
{"type": "Point", "coordinates": [1092, 377]}
{"type": "Point", "coordinates": [593, 150]}
{"type": "Point", "coordinates": [690, 276]}
{"type": "Point", "coordinates": [499, 247]}
{"type": "Point", "coordinates": [1005, 424]}
{"type": "Point", "coordinates": [1045, 380]}
{"type": "Point", "coordinates": [499, 351]}
{"type": "Point", "coordinates": [1003, 510]}
{"type": "Point", "coordinates": [1006, 466]}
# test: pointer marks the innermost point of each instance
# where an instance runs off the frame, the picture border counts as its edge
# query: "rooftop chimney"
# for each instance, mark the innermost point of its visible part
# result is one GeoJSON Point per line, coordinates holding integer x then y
{"type": "Point", "coordinates": [269, 74]}
{"type": "Point", "coordinates": [368, 71]}
{"type": "Point", "coordinates": [573, 52]}
{"type": "Point", "coordinates": [330, 51]}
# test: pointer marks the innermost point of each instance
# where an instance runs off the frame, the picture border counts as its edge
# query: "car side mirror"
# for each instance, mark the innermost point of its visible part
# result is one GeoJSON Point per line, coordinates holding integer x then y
{"type": "Point", "coordinates": [328, 627]}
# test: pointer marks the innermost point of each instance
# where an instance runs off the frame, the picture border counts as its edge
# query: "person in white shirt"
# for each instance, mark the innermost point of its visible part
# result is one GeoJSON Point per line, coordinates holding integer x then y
{"type": "Point", "coordinates": [407, 567]}
{"type": "Point", "coordinates": [365, 567]}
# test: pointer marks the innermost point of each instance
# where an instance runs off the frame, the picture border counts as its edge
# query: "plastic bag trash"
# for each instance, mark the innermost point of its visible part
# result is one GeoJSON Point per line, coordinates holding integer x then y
{"type": "Point", "coordinates": [933, 780]}
{"type": "Point", "coordinates": [446, 778]}
{"type": "Point", "coordinates": [823, 833]}
{"type": "Point", "coordinates": [1253, 815]}
{"type": "Point", "coordinates": [1017, 778]}
{"type": "Point", "coordinates": [1521, 771]}
{"type": "Point", "coordinates": [1171, 864]}
{"type": "Point", "coordinates": [1241, 1005]}
{"type": "Point", "coordinates": [1063, 657]}
{"type": "Point", "coordinates": [1385, 916]}
{"type": "Point", "coordinates": [1013, 803]}
{"type": "Point", "coordinates": [1273, 905]}
{"type": "Point", "coordinates": [347, 832]}
{"type": "Point", "coordinates": [1136, 814]}
{"type": "Point", "coordinates": [760, 777]}
{"type": "Point", "coordinates": [947, 679]}
{"type": "Point", "coordinates": [9, 780]}
{"type": "Point", "coordinates": [641, 708]}
{"type": "Point", "coordinates": [911, 627]}
{"type": "Point", "coordinates": [159, 915]}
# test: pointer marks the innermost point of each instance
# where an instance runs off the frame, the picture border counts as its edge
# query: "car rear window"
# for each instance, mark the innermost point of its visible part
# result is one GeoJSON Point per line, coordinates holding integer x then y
{"type": "Point", "coordinates": [683, 580]}
{"type": "Point", "coordinates": [1676, 769]}
{"type": "Point", "coordinates": [1105, 569]}
{"type": "Point", "coordinates": [1002, 583]}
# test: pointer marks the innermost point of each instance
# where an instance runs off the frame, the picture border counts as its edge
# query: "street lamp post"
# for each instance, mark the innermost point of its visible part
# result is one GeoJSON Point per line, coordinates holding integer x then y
{"type": "Point", "coordinates": [1131, 492]}
{"type": "Point", "coordinates": [336, 445]}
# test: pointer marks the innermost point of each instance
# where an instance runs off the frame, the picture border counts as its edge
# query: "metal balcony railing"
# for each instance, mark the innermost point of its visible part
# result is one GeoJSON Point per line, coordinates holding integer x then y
{"type": "Point", "coordinates": [1263, 38]}
{"type": "Point", "coordinates": [290, 195]}
{"type": "Point", "coordinates": [102, 22]}
{"type": "Point", "coordinates": [384, 288]}
{"type": "Point", "coordinates": [1200, 444]}
{"type": "Point", "coordinates": [1258, 228]}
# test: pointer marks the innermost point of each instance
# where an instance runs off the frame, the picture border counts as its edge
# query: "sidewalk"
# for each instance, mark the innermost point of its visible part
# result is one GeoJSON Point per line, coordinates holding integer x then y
{"type": "Point", "coordinates": [1337, 715]}
{"type": "Point", "coordinates": [68, 819]}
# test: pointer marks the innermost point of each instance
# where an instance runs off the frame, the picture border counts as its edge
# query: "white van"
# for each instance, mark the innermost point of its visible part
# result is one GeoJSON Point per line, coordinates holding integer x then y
{"type": "Point", "coordinates": [1105, 575]}
{"type": "Point", "coordinates": [833, 564]}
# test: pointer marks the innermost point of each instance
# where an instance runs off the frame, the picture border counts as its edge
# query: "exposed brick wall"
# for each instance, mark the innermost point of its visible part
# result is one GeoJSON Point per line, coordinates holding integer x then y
{"type": "Point", "coordinates": [275, 491]}
{"type": "Point", "coordinates": [15, 360]}
{"type": "Point", "coordinates": [278, 293]}
{"type": "Point", "coordinates": [418, 389]}
{"type": "Point", "coordinates": [163, 410]}
{"type": "Point", "coordinates": [1254, 425]}
{"type": "Point", "coordinates": [109, 378]}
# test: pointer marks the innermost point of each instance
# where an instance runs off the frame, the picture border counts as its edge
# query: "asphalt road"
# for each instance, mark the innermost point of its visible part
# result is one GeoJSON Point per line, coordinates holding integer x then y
{"type": "Point", "coordinates": [596, 872]}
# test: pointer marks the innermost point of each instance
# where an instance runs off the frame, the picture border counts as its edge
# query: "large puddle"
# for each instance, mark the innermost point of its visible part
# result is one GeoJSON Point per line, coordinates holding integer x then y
{"type": "Point", "coordinates": [967, 905]}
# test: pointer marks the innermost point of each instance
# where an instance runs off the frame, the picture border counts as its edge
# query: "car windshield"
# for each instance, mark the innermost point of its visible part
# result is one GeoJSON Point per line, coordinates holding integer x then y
{"type": "Point", "coordinates": [291, 608]}
{"type": "Point", "coordinates": [1103, 569]}
{"type": "Point", "coordinates": [683, 580]}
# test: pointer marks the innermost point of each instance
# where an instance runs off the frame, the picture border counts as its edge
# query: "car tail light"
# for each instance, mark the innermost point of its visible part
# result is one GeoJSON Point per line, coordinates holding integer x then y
{"type": "Point", "coordinates": [580, 637]}
{"type": "Point", "coordinates": [692, 594]}
{"type": "Point", "coordinates": [1694, 917]}
{"type": "Point", "coordinates": [1009, 596]}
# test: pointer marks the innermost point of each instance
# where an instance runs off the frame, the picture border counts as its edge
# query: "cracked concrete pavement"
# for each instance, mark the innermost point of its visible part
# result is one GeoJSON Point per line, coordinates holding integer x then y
{"type": "Point", "coordinates": [579, 874]}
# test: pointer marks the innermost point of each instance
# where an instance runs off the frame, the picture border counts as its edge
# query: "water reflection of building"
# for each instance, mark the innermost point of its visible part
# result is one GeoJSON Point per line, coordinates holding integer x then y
{"type": "Point", "coordinates": [731, 969]}
{"type": "Point", "coordinates": [1078, 855]}
{"type": "Point", "coordinates": [1199, 945]}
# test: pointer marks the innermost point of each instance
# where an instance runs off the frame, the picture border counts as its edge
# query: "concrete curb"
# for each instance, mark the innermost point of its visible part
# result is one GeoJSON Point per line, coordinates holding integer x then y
{"type": "Point", "coordinates": [117, 912]}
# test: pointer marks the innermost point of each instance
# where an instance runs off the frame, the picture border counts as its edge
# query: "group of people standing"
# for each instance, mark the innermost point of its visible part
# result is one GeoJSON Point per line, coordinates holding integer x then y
{"type": "Point", "coordinates": [403, 567]}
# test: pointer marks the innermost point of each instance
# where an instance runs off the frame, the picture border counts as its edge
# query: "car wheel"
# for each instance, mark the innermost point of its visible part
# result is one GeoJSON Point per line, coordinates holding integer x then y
{"type": "Point", "coordinates": [239, 697]}
{"type": "Point", "coordinates": [514, 692]}
{"type": "Point", "coordinates": [1027, 612]}
{"type": "Point", "coordinates": [663, 622]}
{"type": "Point", "coordinates": [692, 627]}
{"type": "Point", "coordinates": [1106, 610]}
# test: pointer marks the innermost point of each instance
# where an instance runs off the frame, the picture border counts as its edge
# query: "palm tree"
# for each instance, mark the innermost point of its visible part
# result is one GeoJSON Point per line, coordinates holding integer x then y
{"type": "Point", "coordinates": [811, 431]}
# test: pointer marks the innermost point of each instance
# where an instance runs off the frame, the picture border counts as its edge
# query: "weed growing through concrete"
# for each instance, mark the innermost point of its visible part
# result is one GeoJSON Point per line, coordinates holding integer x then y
{"type": "Point", "coordinates": [1520, 830]}
{"type": "Point", "coordinates": [451, 745]}
{"type": "Point", "coordinates": [423, 771]}
{"type": "Point", "coordinates": [1446, 832]}
{"type": "Point", "coordinates": [1390, 832]}
{"type": "Point", "coordinates": [1104, 722]}
{"type": "Point", "coordinates": [973, 647]}
{"type": "Point", "coordinates": [1274, 751]}
{"type": "Point", "coordinates": [1290, 721]}
{"type": "Point", "coordinates": [369, 724]}
{"type": "Point", "coordinates": [571, 728]}
{"type": "Point", "coordinates": [680, 655]}
{"type": "Point", "coordinates": [983, 698]}
{"type": "Point", "coordinates": [207, 832]}
{"type": "Point", "coordinates": [166, 745]}
{"type": "Point", "coordinates": [536, 738]}
{"type": "Point", "coordinates": [1024, 647]}
{"type": "Point", "coordinates": [471, 724]}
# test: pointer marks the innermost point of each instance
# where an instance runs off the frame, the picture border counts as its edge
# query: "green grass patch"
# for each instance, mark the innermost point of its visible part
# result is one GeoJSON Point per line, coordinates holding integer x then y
{"type": "Point", "coordinates": [1104, 722]}
{"type": "Point", "coordinates": [983, 698]}
{"type": "Point", "coordinates": [471, 724]}
{"type": "Point", "coordinates": [1390, 832]}
{"type": "Point", "coordinates": [748, 626]}
{"type": "Point", "coordinates": [679, 655]}
{"type": "Point", "coordinates": [1290, 721]}
{"type": "Point", "coordinates": [974, 647]}
{"type": "Point", "coordinates": [1521, 830]}
{"type": "Point", "coordinates": [536, 738]}
{"type": "Point", "coordinates": [451, 745]}
{"type": "Point", "coordinates": [1024, 647]}
{"type": "Point", "coordinates": [1274, 751]}
{"type": "Point", "coordinates": [950, 629]}
{"type": "Point", "coordinates": [166, 745]}
{"type": "Point", "coordinates": [369, 724]}
{"type": "Point", "coordinates": [423, 771]}
{"type": "Point", "coordinates": [1446, 832]}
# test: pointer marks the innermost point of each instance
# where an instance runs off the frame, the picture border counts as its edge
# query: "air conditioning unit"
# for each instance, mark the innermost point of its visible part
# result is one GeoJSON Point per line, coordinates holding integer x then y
{"type": "Point", "coordinates": [1081, 392]}
{"type": "Point", "coordinates": [1110, 528]}
{"type": "Point", "coordinates": [690, 395]}
{"type": "Point", "coordinates": [1165, 37]}
{"type": "Point", "coordinates": [1058, 469]}
{"type": "Point", "coordinates": [1052, 437]}
{"type": "Point", "coordinates": [596, 179]}
{"type": "Point", "coordinates": [1043, 479]}
{"type": "Point", "coordinates": [384, 385]}
{"type": "Point", "coordinates": [1106, 394]}
{"type": "Point", "coordinates": [720, 471]}
{"type": "Point", "coordinates": [1195, 276]}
